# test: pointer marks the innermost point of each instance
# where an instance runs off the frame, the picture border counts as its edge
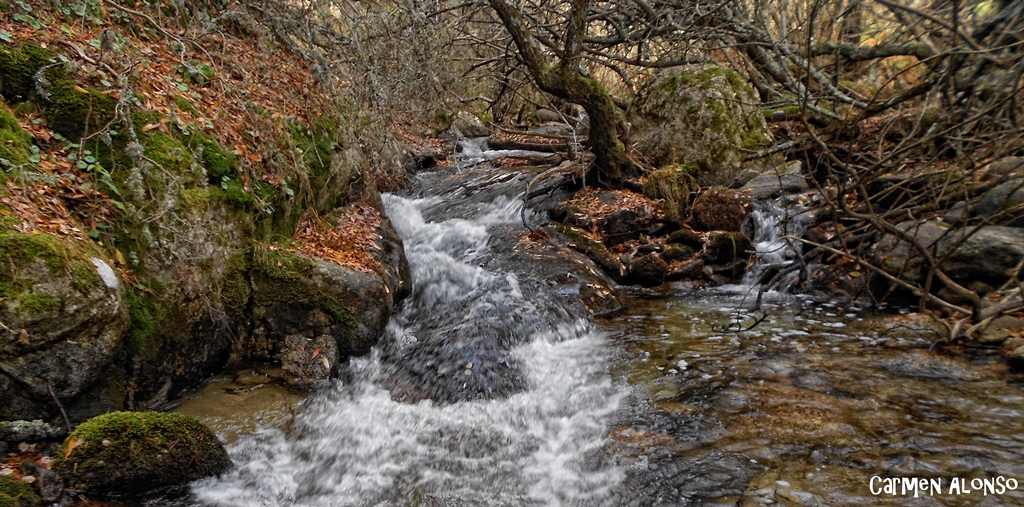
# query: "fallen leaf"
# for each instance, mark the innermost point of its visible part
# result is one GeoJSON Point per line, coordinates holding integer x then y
{"type": "Point", "coordinates": [72, 443]}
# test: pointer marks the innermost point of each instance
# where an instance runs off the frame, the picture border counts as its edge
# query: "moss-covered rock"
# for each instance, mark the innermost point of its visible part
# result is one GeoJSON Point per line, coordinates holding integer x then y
{"type": "Point", "coordinates": [64, 313]}
{"type": "Point", "coordinates": [727, 248]}
{"type": "Point", "coordinates": [720, 209]}
{"type": "Point", "coordinates": [131, 453]}
{"type": "Point", "coordinates": [706, 117]}
{"type": "Point", "coordinates": [649, 270]}
{"type": "Point", "coordinates": [673, 184]}
{"type": "Point", "coordinates": [674, 253]}
{"type": "Point", "coordinates": [28, 71]}
{"type": "Point", "coordinates": [14, 493]}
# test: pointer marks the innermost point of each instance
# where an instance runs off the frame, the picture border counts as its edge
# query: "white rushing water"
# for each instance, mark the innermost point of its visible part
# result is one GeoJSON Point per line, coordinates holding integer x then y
{"type": "Point", "coordinates": [774, 224]}
{"type": "Point", "coordinates": [354, 445]}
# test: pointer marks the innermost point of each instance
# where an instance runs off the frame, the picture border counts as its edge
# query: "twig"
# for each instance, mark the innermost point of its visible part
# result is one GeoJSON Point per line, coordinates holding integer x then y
{"type": "Point", "coordinates": [145, 16]}
{"type": "Point", "coordinates": [67, 422]}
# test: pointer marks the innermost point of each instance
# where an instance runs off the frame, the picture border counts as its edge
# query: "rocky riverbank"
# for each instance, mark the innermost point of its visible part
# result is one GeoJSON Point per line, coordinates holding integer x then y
{"type": "Point", "coordinates": [160, 221]}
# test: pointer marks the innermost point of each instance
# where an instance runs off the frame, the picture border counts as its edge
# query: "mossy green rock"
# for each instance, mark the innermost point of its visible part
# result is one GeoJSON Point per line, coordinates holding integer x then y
{"type": "Point", "coordinates": [705, 117]}
{"type": "Point", "coordinates": [727, 247]}
{"type": "Point", "coordinates": [132, 453]}
{"type": "Point", "coordinates": [64, 313]}
{"type": "Point", "coordinates": [14, 493]}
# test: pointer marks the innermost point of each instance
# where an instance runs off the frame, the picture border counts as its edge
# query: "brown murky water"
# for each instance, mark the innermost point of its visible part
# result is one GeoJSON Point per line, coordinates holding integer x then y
{"type": "Point", "coordinates": [808, 406]}
{"type": "Point", "coordinates": [237, 404]}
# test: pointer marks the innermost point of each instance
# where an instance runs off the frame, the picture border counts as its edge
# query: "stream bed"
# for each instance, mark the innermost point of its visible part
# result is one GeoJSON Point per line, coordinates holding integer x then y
{"type": "Point", "coordinates": [494, 386]}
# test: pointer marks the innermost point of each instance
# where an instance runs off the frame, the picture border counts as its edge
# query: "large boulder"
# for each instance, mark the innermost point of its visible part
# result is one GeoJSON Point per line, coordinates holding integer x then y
{"type": "Point", "coordinates": [64, 314]}
{"type": "Point", "coordinates": [984, 253]}
{"type": "Point", "coordinates": [705, 117]}
{"type": "Point", "coordinates": [133, 453]}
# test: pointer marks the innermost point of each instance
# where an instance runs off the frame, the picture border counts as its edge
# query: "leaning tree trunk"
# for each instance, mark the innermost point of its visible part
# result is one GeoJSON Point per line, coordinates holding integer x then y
{"type": "Point", "coordinates": [565, 80]}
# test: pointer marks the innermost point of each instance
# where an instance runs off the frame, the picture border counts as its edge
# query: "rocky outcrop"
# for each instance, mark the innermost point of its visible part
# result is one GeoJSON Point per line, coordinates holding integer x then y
{"type": "Point", "coordinates": [134, 279]}
{"type": "Point", "coordinates": [123, 454]}
{"type": "Point", "coordinates": [703, 117]}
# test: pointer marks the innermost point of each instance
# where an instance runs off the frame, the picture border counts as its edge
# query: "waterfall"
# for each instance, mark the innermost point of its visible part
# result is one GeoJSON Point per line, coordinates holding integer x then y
{"type": "Point", "coordinates": [771, 226]}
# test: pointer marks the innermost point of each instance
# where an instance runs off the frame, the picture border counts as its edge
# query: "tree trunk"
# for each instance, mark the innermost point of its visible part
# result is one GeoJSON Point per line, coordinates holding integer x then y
{"type": "Point", "coordinates": [566, 81]}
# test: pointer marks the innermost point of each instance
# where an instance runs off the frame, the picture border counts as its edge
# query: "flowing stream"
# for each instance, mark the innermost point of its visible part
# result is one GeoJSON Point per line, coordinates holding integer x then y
{"type": "Point", "coordinates": [488, 389]}
{"type": "Point", "coordinates": [476, 395]}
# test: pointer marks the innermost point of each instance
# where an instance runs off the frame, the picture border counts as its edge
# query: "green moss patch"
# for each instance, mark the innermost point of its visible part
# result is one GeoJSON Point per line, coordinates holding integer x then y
{"type": "Point", "coordinates": [71, 112]}
{"type": "Point", "coordinates": [15, 143]}
{"type": "Point", "coordinates": [236, 290]}
{"type": "Point", "coordinates": [18, 66]}
{"type": "Point", "coordinates": [218, 163]}
{"type": "Point", "coordinates": [61, 258]}
{"type": "Point", "coordinates": [147, 319]}
{"type": "Point", "coordinates": [14, 493]}
{"type": "Point", "coordinates": [286, 279]}
{"type": "Point", "coordinates": [126, 453]}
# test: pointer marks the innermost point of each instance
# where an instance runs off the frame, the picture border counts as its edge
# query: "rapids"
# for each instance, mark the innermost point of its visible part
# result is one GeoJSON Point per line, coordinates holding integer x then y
{"type": "Point", "coordinates": [493, 386]}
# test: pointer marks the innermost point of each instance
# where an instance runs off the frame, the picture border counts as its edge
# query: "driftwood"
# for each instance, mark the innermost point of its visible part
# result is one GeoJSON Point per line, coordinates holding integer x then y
{"type": "Point", "coordinates": [528, 143]}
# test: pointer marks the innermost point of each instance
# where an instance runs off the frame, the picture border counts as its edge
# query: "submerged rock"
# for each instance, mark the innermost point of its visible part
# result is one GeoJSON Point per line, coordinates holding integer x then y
{"type": "Point", "coordinates": [926, 365]}
{"type": "Point", "coordinates": [132, 453]}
